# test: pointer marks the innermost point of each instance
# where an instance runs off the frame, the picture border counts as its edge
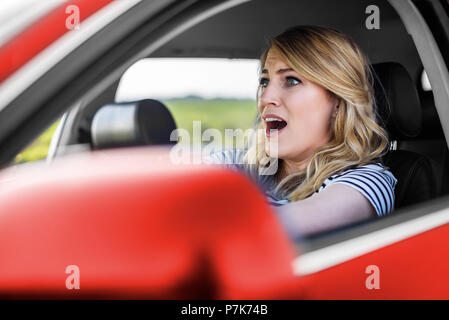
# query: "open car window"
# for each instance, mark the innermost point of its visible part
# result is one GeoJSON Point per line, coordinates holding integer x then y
{"type": "Point", "coordinates": [200, 93]}
{"type": "Point", "coordinates": [219, 92]}
{"type": "Point", "coordinates": [39, 148]}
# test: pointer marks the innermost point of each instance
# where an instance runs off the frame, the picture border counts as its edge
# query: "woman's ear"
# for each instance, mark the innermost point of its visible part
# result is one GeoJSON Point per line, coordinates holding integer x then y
{"type": "Point", "coordinates": [336, 105]}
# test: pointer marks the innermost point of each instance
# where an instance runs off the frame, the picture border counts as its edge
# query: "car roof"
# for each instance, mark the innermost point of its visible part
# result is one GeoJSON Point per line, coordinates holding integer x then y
{"type": "Point", "coordinates": [242, 31]}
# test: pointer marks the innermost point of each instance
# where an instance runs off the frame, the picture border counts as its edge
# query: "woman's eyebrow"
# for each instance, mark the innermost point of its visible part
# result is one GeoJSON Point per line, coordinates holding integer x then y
{"type": "Point", "coordinates": [284, 70]}
{"type": "Point", "coordinates": [280, 71]}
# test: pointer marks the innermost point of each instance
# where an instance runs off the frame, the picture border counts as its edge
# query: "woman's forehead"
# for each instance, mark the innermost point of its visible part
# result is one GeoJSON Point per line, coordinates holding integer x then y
{"type": "Point", "coordinates": [273, 62]}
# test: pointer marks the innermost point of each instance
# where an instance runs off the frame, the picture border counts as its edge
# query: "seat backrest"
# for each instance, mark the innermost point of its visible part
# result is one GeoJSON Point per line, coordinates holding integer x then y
{"type": "Point", "coordinates": [400, 111]}
{"type": "Point", "coordinates": [144, 122]}
{"type": "Point", "coordinates": [415, 177]}
{"type": "Point", "coordinates": [432, 143]}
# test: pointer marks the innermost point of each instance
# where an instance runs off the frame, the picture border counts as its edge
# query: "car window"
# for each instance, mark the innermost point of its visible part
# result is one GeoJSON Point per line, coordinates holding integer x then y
{"type": "Point", "coordinates": [220, 93]}
{"type": "Point", "coordinates": [200, 93]}
{"type": "Point", "coordinates": [38, 149]}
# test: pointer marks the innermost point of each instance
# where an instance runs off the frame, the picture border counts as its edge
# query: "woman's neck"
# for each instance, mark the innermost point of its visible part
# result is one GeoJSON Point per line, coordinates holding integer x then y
{"type": "Point", "coordinates": [289, 167]}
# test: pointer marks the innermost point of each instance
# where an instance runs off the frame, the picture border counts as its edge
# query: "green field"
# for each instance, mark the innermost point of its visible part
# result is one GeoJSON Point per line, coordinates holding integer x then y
{"type": "Point", "coordinates": [39, 148]}
{"type": "Point", "coordinates": [217, 113]}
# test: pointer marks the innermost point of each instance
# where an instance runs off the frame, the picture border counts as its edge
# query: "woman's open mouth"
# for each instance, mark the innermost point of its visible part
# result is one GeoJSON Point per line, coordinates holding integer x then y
{"type": "Point", "coordinates": [274, 125]}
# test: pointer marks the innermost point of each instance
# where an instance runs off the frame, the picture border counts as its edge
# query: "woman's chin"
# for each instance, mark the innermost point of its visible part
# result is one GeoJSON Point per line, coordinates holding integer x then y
{"type": "Point", "coordinates": [279, 153]}
{"type": "Point", "coordinates": [277, 146]}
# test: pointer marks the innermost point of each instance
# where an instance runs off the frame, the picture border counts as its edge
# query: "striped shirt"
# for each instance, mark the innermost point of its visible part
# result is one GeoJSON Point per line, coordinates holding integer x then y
{"type": "Point", "coordinates": [373, 181]}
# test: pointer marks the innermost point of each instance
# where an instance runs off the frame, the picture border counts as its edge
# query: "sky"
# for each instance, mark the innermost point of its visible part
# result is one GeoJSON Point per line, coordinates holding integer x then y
{"type": "Point", "coordinates": [175, 77]}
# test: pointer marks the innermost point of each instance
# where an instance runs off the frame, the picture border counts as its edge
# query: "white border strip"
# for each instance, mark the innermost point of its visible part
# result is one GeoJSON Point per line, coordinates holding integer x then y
{"type": "Point", "coordinates": [28, 14]}
{"type": "Point", "coordinates": [341, 252]}
{"type": "Point", "coordinates": [35, 68]}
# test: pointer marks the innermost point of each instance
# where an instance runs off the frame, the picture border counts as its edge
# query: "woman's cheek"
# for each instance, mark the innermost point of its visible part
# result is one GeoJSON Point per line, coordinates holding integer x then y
{"type": "Point", "coordinates": [306, 131]}
{"type": "Point", "coordinates": [302, 134]}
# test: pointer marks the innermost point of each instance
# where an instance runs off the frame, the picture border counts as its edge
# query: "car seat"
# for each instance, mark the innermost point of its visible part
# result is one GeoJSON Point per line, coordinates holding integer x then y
{"type": "Point", "coordinates": [399, 109]}
{"type": "Point", "coordinates": [144, 122]}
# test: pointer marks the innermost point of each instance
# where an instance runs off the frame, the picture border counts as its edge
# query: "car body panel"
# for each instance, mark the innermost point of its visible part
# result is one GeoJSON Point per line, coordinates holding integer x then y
{"type": "Point", "coordinates": [38, 36]}
{"type": "Point", "coordinates": [149, 235]}
{"type": "Point", "coordinates": [411, 268]}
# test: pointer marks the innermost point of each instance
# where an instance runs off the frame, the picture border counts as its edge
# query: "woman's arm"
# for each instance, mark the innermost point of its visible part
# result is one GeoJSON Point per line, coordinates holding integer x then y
{"type": "Point", "coordinates": [335, 206]}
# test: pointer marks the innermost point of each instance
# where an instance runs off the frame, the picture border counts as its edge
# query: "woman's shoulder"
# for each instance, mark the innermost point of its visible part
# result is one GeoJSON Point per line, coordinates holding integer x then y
{"type": "Point", "coordinates": [232, 156]}
{"type": "Point", "coordinates": [368, 170]}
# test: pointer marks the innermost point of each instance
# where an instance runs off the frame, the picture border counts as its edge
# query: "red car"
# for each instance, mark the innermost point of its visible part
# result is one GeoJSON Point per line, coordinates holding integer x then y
{"type": "Point", "coordinates": [128, 223]}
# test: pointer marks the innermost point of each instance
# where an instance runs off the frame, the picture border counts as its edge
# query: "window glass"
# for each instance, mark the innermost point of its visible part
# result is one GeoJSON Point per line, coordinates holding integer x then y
{"type": "Point", "coordinates": [201, 93]}
{"type": "Point", "coordinates": [38, 149]}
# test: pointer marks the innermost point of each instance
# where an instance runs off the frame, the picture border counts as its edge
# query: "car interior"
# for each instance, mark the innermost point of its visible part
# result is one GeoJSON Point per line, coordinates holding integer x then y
{"type": "Point", "coordinates": [145, 122]}
{"type": "Point", "coordinates": [418, 155]}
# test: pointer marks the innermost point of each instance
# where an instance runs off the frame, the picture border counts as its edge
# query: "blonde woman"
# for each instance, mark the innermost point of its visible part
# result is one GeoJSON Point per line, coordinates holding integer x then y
{"type": "Point", "coordinates": [315, 101]}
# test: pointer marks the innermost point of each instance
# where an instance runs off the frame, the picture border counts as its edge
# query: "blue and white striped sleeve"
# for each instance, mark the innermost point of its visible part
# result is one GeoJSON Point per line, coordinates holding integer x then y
{"type": "Point", "coordinates": [375, 184]}
{"type": "Point", "coordinates": [232, 158]}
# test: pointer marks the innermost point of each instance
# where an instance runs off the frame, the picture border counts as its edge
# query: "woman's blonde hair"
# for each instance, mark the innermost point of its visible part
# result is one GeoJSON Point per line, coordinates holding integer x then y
{"type": "Point", "coordinates": [332, 60]}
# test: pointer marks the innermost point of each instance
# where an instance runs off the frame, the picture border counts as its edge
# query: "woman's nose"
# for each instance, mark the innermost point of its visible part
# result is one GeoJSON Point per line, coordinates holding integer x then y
{"type": "Point", "coordinates": [270, 96]}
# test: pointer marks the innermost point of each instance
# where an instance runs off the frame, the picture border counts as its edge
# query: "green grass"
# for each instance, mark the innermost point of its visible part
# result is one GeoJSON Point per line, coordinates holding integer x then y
{"type": "Point", "coordinates": [217, 113]}
{"type": "Point", "coordinates": [39, 148]}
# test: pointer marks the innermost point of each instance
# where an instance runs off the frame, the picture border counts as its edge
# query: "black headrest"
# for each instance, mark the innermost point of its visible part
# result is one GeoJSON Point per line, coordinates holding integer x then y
{"type": "Point", "coordinates": [145, 122]}
{"type": "Point", "coordinates": [397, 100]}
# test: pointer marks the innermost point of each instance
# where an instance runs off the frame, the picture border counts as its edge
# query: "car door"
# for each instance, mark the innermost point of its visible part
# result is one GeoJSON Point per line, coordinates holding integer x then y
{"type": "Point", "coordinates": [404, 256]}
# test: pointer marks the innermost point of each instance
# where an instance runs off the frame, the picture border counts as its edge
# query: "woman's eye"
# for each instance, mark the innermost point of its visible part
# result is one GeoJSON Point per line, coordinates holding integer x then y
{"type": "Point", "coordinates": [263, 82]}
{"type": "Point", "coordinates": [292, 81]}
